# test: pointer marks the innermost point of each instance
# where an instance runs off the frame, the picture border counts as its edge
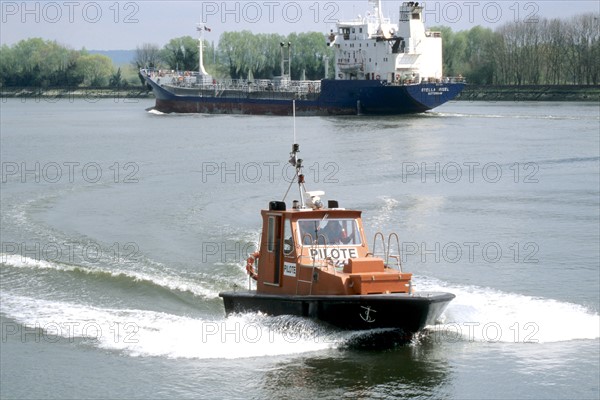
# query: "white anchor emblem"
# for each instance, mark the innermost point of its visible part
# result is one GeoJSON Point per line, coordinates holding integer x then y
{"type": "Point", "coordinates": [367, 316]}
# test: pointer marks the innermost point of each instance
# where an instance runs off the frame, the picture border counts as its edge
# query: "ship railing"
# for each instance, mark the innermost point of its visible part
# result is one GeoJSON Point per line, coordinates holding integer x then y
{"type": "Point", "coordinates": [386, 250]}
{"type": "Point", "coordinates": [455, 79]}
{"type": "Point", "coordinates": [416, 81]}
{"type": "Point", "coordinates": [244, 85]}
{"type": "Point", "coordinates": [305, 87]}
{"type": "Point", "coordinates": [373, 19]}
{"type": "Point", "coordinates": [435, 34]}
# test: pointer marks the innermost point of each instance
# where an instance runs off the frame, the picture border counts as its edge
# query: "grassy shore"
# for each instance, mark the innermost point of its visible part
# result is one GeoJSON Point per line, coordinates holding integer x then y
{"type": "Point", "coordinates": [531, 93]}
{"type": "Point", "coordinates": [470, 93]}
{"type": "Point", "coordinates": [75, 93]}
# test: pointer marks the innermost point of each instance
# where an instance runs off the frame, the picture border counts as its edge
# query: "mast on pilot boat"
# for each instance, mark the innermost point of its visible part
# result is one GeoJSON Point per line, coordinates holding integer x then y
{"type": "Point", "coordinates": [312, 199]}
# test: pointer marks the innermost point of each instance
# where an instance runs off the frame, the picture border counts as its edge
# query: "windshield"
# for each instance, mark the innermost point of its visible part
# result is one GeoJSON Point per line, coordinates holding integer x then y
{"type": "Point", "coordinates": [338, 232]}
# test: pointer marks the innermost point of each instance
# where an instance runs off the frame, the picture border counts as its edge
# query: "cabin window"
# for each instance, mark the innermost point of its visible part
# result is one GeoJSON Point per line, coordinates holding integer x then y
{"type": "Point", "coordinates": [338, 232]}
{"type": "Point", "coordinates": [288, 238]}
{"type": "Point", "coordinates": [345, 32]}
{"type": "Point", "coordinates": [271, 235]}
{"type": "Point", "coordinates": [360, 30]}
{"type": "Point", "coordinates": [416, 16]}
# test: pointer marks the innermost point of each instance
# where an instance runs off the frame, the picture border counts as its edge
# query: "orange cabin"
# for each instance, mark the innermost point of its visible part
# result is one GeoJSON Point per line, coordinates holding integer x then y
{"type": "Point", "coordinates": [321, 252]}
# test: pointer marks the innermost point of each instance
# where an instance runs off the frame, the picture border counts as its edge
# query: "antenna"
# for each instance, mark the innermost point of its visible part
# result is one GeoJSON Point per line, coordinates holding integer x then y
{"type": "Point", "coordinates": [312, 199]}
{"type": "Point", "coordinates": [294, 118]}
{"type": "Point", "coordinates": [296, 162]}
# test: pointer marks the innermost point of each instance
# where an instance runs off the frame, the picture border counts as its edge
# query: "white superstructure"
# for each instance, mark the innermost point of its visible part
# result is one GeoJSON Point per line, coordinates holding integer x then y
{"type": "Point", "coordinates": [374, 48]}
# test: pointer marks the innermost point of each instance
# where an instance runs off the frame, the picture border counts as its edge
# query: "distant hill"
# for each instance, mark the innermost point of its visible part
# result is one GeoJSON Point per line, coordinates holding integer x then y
{"type": "Point", "coordinates": [118, 57]}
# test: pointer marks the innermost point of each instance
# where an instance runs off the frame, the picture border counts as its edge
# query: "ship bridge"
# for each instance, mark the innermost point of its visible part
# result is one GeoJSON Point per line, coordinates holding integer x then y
{"type": "Point", "coordinates": [373, 48]}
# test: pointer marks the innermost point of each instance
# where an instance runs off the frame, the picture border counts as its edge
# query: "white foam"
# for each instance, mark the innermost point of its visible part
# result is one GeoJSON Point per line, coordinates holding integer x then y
{"type": "Point", "coordinates": [484, 314]}
{"type": "Point", "coordinates": [532, 116]}
{"type": "Point", "coordinates": [19, 261]}
{"type": "Point", "coordinates": [151, 333]}
{"type": "Point", "coordinates": [159, 278]}
{"type": "Point", "coordinates": [476, 314]}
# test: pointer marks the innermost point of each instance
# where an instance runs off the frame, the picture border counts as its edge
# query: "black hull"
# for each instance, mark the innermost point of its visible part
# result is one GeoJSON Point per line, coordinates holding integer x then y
{"type": "Point", "coordinates": [410, 313]}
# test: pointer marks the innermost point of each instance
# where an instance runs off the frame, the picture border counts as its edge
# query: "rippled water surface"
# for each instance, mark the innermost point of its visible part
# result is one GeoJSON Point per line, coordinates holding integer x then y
{"type": "Point", "coordinates": [119, 227]}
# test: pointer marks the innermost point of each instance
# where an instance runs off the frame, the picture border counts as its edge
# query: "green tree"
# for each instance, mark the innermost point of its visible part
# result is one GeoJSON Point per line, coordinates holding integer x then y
{"type": "Point", "coordinates": [36, 62]}
{"type": "Point", "coordinates": [453, 53]}
{"type": "Point", "coordinates": [479, 50]}
{"type": "Point", "coordinates": [8, 66]}
{"type": "Point", "coordinates": [228, 45]}
{"type": "Point", "coordinates": [116, 79]}
{"type": "Point", "coordinates": [95, 68]}
{"type": "Point", "coordinates": [181, 54]}
{"type": "Point", "coordinates": [309, 54]}
{"type": "Point", "coordinates": [260, 54]}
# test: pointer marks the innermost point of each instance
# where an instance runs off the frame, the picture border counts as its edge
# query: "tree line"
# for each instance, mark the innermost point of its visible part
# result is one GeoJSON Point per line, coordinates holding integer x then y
{"type": "Point", "coordinates": [544, 52]}
{"type": "Point", "coordinates": [44, 63]}
{"type": "Point", "coordinates": [242, 54]}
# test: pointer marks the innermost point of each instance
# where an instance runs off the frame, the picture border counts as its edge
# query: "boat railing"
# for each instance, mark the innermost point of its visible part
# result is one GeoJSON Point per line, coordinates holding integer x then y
{"type": "Point", "coordinates": [374, 252]}
{"type": "Point", "coordinates": [386, 253]}
{"type": "Point", "coordinates": [389, 254]}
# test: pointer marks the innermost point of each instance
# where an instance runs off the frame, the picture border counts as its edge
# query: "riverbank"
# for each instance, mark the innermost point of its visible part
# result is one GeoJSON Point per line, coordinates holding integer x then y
{"type": "Point", "coordinates": [75, 93]}
{"type": "Point", "coordinates": [530, 93]}
{"type": "Point", "coordinates": [470, 93]}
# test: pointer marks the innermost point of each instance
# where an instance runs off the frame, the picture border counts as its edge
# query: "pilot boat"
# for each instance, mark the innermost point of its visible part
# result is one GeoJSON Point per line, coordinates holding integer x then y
{"type": "Point", "coordinates": [314, 261]}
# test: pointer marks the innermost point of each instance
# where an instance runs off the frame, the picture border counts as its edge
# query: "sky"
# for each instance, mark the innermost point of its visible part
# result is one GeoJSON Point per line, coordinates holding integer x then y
{"type": "Point", "coordinates": [124, 25]}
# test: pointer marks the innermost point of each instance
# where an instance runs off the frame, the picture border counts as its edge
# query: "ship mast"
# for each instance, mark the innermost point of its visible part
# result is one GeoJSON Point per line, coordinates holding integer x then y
{"type": "Point", "coordinates": [378, 10]}
{"type": "Point", "coordinates": [286, 60]}
{"type": "Point", "coordinates": [201, 28]}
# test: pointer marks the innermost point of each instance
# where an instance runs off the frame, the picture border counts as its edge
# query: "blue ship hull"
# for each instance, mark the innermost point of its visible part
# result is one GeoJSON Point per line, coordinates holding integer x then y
{"type": "Point", "coordinates": [337, 97]}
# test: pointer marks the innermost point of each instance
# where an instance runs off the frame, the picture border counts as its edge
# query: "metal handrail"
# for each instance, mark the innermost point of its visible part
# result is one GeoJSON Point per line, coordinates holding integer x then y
{"type": "Point", "coordinates": [377, 235]}
{"type": "Point", "coordinates": [389, 249]}
{"type": "Point", "coordinates": [386, 255]}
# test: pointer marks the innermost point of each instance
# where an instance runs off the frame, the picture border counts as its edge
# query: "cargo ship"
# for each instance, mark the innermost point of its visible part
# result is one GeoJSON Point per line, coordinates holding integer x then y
{"type": "Point", "coordinates": [381, 68]}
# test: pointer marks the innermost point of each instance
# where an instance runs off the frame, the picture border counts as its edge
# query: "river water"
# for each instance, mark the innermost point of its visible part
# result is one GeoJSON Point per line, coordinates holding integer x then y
{"type": "Point", "coordinates": [119, 228]}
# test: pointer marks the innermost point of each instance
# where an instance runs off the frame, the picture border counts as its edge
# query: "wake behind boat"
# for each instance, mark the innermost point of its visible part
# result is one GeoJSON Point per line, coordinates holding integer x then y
{"type": "Point", "coordinates": [314, 261]}
{"type": "Point", "coordinates": [381, 68]}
